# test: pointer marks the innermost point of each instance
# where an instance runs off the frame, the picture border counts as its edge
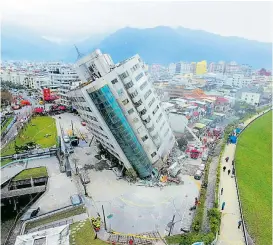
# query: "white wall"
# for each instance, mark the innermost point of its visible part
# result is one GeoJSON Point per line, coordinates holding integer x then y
{"type": "Point", "coordinates": [250, 98]}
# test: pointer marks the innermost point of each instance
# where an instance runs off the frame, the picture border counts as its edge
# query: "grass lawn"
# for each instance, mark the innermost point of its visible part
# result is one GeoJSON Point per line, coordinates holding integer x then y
{"type": "Point", "coordinates": [4, 162]}
{"type": "Point", "coordinates": [85, 235]}
{"type": "Point", "coordinates": [56, 217]}
{"type": "Point", "coordinates": [31, 172]}
{"type": "Point", "coordinates": [43, 125]}
{"type": "Point", "coordinates": [254, 172]}
{"type": "Point", "coordinates": [7, 124]}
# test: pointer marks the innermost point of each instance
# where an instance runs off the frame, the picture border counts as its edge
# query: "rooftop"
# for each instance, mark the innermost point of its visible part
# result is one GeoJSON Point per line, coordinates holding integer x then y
{"type": "Point", "coordinates": [53, 236]}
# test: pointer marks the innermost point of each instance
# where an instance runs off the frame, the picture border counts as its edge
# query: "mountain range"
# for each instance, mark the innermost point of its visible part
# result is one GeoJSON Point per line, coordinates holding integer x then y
{"type": "Point", "coordinates": [161, 45]}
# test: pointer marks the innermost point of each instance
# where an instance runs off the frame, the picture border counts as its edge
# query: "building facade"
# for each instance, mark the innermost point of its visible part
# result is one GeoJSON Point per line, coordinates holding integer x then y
{"type": "Point", "coordinates": [123, 112]}
{"type": "Point", "coordinates": [201, 67]}
{"type": "Point", "coordinates": [251, 98]}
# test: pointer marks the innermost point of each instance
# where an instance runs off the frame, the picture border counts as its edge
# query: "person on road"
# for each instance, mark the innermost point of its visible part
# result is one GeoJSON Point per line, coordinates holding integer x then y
{"type": "Point", "coordinates": [222, 190]}
{"type": "Point", "coordinates": [228, 172]}
{"type": "Point", "coordinates": [224, 168]}
{"type": "Point", "coordinates": [239, 224]}
{"type": "Point", "coordinates": [227, 158]}
{"type": "Point", "coordinates": [223, 205]}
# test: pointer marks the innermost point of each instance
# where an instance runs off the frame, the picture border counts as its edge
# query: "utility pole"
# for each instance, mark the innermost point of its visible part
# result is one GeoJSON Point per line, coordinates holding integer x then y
{"type": "Point", "coordinates": [103, 217]}
{"type": "Point", "coordinates": [72, 128]}
{"type": "Point", "coordinates": [171, 226]}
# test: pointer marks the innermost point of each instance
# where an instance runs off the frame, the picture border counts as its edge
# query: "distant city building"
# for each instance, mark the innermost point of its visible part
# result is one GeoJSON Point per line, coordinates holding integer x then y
{"type": "Point", "coordinates": [123, 112]}
{"type": "Point", "coordinates": [201, 67]}
{"type": "Point", "coordinates": [58, 77]}
{"type": "Point", "coordinates": [264, 72]}
{"type": "Point", "coordinates": [172, 69]}
{"type": "Point", "coordinates": [219, 67]}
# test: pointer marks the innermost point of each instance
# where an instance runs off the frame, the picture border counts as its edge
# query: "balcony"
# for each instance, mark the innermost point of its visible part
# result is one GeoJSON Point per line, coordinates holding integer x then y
{"type": "Point", "coordinates": [135, 98]}
{"type": "Point", "coordinates": [149, 125]}
{"type": "Point", "coordinates": [145, 116]}
{"type": "Point", "coordinates": [154, 133]}
{"type": "Point", "coordinates": [140, 108]}
{"type": "Point", "coordinates": [126, 80]}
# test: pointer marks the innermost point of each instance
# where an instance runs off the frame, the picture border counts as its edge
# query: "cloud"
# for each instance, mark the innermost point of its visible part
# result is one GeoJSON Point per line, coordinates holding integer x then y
{"type": "Point", "coordinates": [74, 19]}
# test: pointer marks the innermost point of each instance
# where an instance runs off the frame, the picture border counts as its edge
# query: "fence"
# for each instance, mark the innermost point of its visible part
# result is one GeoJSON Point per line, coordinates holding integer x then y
{"type": "Point", "coordinates": [3, 134]}
{"type": "Point", "coordinates": [48, 214]}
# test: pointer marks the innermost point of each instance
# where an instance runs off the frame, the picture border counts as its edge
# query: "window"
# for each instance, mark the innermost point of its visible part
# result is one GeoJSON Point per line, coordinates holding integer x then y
{"type": "Point", "coordinates": [114, 81]}
{"type": "Point", "coordinates": [162, 125]}
{"type": "Point", "coordinates": [146, 95]}
{"type": "Point", "coordinates": [166, 132]}
{"type": "Point", "coordinates": [155, 110]}
{"type": "Point", "coordinates": [138, 103]}
{"type": "Point", "coordinates": [134, 94]}
{"type": "Point", "coordinates": [143, 85]}
{"type": "Point", "coordinates": [125, 102]}
{"type": "Point", "coordinates": [135, 120]}
{"type": "Point", "coordinates": [124, 75]}
{"type": "Point", "coordinates": [151, 102]}
{"type": "Point", "coordinates": [153, 154]}
{"type": "Point", "coordinates": [159, 117]}
{"type": "Point", "coordinates": [139, 76]}
{"type": "Point", "coordinates": [143, 112]}
{"type": "Point", "coordinates": [129, 85]}
{"type": "Point", "coordinates": [130, 111]}
{"type": "Point", "coordinates": [135, 67]}
{"type": "Point", "coordinates": [144, 138]}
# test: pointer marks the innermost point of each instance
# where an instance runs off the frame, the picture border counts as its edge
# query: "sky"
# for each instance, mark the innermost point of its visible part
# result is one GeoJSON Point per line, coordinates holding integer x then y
{"type": "Point", "coordinates": [67, 20]}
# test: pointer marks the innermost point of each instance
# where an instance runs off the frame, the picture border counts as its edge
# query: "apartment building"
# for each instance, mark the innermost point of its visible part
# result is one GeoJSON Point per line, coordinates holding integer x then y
{"type": "Point", "coordinates": [201, 67]}
{"type": "Point", "coordinates": [64, 78]}
{"type": "Point", "coordinates": [58, 77]}
{"type": "Point", "coordinates": [217, 67]}
{"type": "Point", "coordinates": [251, 98]}
{"type": "Point", "coordinates": [238, 80]}
{"type": "Point", "coordinates": [123, 111]}
{"type": "Point", "coordinates": [181, 68]}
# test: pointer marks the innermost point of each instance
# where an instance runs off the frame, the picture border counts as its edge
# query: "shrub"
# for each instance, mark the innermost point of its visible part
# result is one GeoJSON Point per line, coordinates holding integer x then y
{"type": "Point", "coordinates": [131, 174]}
{"type": "Point", "coordinates": [214, 219]}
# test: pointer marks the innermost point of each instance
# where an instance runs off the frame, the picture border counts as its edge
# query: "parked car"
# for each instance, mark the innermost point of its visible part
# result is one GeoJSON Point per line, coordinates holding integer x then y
{"type": "Point", "coordinates": [35, 212]}
{"type": "Point", "coordinates": [202, 167]}
{"type": "Point", "coordinates": [76, 200]}
{"type": "Point", "coordinates": [205, 157]}
{"type": "Point", "coordinates": [198, 175]}
{"type": "Point", "coordinates": [66, 139]}
{"type": "Point", "coordinates": [28, 214]}
{"type": "Point", "coordinates": [83, 123]}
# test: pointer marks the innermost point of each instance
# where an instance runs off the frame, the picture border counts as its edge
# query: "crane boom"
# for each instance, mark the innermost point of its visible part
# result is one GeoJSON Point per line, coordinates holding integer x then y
{"type": "Point", "coordinates": [194, 136]}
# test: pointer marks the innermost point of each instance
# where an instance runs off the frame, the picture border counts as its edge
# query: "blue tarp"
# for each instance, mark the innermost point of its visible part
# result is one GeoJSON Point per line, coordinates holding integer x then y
{"type": "Point", "coordinates": [233, 139]}
{"type": "Point", "coordinates": [237, 130]}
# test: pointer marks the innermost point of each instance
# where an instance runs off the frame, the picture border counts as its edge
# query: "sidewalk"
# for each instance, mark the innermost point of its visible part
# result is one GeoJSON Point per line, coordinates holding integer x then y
{"type": "Point", "coordinates": [229, 232]}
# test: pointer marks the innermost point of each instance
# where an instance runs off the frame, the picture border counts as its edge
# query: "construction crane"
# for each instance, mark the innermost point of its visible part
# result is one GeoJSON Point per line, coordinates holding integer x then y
{"type": "Point", "coordinates": [194, 136]}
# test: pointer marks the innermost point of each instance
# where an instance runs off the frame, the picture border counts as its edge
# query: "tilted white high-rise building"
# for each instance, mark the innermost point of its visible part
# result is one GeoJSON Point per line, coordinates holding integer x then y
{"type": "Point", "coordinates": [123, 112]}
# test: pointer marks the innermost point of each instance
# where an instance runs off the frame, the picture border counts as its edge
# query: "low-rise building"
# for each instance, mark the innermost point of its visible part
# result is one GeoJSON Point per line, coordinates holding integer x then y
{"type": "Point", "coordinates": [251, 98]}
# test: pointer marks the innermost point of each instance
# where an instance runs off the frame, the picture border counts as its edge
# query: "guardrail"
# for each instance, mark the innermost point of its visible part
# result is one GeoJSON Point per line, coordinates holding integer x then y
{"type": "Point", "coordinates": [3, 134]}
{"type": "Point", "coordinates": [48, 214]}
{"type": "Point", "coordinates": [236, 183]}
{"type": "Point", "coordinates": [40, 152]}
